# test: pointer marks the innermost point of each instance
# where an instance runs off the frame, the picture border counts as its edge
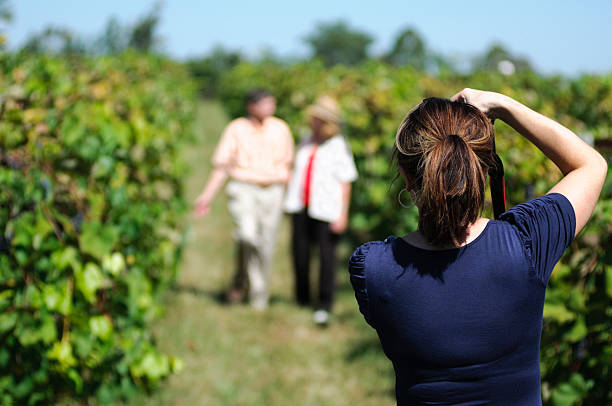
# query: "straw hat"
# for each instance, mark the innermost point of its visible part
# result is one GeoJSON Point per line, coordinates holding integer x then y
{"type": "Point", "coordinates": [327, 109]}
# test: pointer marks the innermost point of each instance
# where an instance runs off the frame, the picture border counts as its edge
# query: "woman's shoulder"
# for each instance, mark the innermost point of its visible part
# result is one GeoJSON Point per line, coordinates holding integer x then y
{"type": "Point", "coordinates": [366, 248]}
{"type": "Point", "coordinates": [552, 210]}
{"type": "Point", "coordinates": [338, 141]}
{"type": "Point", "coordinates": [367, 251]}
{"type": "Point", "coordinates": [338, 149]}
{"type": "Point", "coordinates": [550, 199]}
{"type": "Point", "coordinates": [546, 226]}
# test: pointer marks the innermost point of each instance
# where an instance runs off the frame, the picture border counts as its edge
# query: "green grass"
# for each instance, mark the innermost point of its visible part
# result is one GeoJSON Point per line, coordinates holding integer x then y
{"type": "Point", "coordinates": [234, 355]}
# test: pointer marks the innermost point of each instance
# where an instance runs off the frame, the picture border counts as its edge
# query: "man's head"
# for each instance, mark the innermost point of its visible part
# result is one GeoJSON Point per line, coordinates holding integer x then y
{"type": "Point", "coordinates": [260, 104]}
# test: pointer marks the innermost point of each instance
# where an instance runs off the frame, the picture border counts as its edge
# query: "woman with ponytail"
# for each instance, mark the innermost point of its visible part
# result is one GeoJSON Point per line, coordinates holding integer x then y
{"type": "Point", "coordinates": [457, 304]}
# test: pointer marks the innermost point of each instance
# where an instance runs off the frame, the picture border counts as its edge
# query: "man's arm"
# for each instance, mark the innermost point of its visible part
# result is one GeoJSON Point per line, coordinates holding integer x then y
{"type": "Point", "coordinates": [215, 182]}
{"type": "Point", "coordinates": [222, 160]}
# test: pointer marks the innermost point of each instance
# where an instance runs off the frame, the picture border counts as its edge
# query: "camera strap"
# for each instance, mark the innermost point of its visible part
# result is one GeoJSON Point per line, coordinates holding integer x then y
{"type": "Point", "coordinates": [497, 184]}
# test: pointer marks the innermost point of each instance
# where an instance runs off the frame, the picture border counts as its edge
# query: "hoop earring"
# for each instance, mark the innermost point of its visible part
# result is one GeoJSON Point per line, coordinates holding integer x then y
{"type": "Point", "coordinates": [399, 199]}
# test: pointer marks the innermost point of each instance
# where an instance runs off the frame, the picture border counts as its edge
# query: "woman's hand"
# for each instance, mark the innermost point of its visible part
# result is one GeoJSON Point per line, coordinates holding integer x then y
{"type": "Point", "coordinates": [490, 103]}
{"type": "Point", "coordinates": [339, 226]}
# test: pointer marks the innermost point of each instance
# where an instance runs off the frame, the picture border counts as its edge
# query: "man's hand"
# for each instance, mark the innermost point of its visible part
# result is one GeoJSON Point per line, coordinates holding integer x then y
{"type": "Point", "coordinates": [204, 200]}
{"type": "Point", "coordinates": [202, 206]}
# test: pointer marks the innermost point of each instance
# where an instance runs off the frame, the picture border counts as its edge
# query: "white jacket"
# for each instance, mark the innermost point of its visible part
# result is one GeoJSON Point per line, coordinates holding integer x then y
{"type": "Point", "coordinates": [333, 165]}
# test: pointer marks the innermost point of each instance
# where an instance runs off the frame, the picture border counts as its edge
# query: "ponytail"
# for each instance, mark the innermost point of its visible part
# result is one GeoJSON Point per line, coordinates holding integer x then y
{"type": "Point", "coordinates": [445, 148]}
{"type": "Point", "coordinates": [453, 180]}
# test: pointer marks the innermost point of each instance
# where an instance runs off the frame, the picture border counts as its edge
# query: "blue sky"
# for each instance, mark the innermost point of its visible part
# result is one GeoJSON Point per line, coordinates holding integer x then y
{"type": "Point", "coordinates": [564, 36]}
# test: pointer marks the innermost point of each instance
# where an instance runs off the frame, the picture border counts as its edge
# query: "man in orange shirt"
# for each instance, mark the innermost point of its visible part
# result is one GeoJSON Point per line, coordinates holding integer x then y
{"type": "Point", "coordinates": [256, 152]}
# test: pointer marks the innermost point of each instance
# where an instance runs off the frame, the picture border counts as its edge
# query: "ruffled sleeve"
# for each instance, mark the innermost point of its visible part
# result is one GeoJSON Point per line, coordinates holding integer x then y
{"type": "Point", "coordinates": [546, 226]}
{"type": "Point", "coordinates": [357, 270]}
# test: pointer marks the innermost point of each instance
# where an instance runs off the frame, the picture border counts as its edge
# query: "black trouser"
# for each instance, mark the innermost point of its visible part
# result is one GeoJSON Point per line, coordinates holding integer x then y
{"type": "Point", "coordinates": [305, 231]}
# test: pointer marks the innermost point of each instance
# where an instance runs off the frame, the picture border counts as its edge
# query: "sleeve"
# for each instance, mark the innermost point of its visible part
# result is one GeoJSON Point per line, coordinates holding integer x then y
{"type": "Point", "coordinates": [225, 152]}
{"type": "Point", "coordinates": [546, 225]}
{"type": "Point", "coordinates": [345, 164]}
{"type": "Point", "coordinates": [357, 264]}
{"type": "Point", "coordinates": [290, 147]}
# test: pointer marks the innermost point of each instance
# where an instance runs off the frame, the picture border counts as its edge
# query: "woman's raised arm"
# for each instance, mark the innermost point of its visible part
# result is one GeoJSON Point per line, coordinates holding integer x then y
{"type": "Point", "coordinates": [584, 169]}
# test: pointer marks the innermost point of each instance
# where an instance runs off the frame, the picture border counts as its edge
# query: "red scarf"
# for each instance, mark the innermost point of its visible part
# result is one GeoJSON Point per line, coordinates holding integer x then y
{"type": "Point", "coordinates": [308, 177]}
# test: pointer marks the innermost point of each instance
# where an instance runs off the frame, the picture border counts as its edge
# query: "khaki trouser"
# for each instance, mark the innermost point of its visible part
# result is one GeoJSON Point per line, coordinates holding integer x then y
{"type": "Point", "coordinates": [256, 211]}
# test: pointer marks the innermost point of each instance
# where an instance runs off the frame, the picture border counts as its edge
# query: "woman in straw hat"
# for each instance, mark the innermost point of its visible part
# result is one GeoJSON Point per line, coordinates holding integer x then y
{"type": "Point", "coordinates": [318, 197]}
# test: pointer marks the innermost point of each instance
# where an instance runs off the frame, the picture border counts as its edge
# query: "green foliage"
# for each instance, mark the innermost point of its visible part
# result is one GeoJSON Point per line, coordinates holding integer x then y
{"type": "Point", "coordinates": [91, 197]}
{"type": "Point", "coordinates": [5, 11]}
{"type": "Point", "coordinates": [496, 54]}
{"type": "Point", "coordinates": [142, 37]}
{"type": "Point", "coordinates": [408, 50]}
{"type": "Point", "coordinates": [55, 40]}
{"type": "Point", "coordinates": [576, 347]}
{"type": "Point", "coordinates": [338, 43]}
{"type": "Point", "coordinates": [207, 71]}
{"type": "Point", "coordinates": [114, 39]}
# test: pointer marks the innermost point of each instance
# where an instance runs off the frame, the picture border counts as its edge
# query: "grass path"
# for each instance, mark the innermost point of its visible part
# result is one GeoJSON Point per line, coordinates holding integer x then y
{"type": "Point", "coordinates": [236, 356]}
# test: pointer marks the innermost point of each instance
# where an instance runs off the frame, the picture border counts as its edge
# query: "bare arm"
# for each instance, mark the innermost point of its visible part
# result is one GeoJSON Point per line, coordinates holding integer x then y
{"type": "Point", "coordinates": [339, 226]}
{"type": "Point", "coordinates": [584, 169]}
{"type": "Point", "coordinates": [222, 160]}
{"type": "Point", "coordinates": [215, 182]}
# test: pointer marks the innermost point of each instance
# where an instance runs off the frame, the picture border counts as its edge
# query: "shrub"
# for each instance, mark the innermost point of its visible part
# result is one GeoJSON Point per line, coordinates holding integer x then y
{"type": "Point", "coordinates": [90, 231]}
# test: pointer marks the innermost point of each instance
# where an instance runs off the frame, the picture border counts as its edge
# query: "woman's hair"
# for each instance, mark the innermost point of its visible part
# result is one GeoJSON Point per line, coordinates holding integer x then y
{"type": "Point", "coordinates": [445, 149]}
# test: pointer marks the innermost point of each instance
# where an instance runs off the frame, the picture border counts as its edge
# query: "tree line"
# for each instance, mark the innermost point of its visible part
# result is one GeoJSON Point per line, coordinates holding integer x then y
{"type": "Point", "coordinates": [334, 42]}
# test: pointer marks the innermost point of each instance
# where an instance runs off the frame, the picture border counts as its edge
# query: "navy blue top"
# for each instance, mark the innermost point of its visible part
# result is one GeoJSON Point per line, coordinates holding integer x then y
{"type": "Point", "coordinates": [462, 326]}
